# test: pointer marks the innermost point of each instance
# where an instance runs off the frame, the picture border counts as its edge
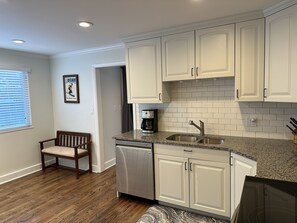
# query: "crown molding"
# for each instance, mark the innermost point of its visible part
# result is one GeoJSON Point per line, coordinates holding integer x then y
{"type": "Point", "coordinates": [18, 68]}
{"type": "Point", "coordinates": [90, 51]}
{"type": "Point", "coordinates": [278, 7]}
{"type": "Point", "coordinates": [197, 25]}
{"type": "Point", "coordinates": [24, 53]}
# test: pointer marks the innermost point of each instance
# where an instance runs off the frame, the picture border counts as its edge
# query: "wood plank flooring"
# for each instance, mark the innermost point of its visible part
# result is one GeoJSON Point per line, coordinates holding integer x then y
{"type": "Point", "coordinates": [57, 196]}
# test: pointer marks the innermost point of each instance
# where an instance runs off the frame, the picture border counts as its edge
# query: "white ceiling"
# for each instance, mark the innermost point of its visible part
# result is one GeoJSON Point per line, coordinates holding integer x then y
{"type": "Point", "coordinates": [50, 26]}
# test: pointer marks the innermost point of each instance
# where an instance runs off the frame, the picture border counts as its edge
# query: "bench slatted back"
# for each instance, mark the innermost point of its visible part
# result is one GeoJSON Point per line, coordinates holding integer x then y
{"type": "Point", "coordinates": [71, 139]}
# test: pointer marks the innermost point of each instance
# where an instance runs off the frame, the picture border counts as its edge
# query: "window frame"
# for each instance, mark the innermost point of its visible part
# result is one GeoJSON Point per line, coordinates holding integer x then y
{"type": "Point", "coordinates": [29, 124]}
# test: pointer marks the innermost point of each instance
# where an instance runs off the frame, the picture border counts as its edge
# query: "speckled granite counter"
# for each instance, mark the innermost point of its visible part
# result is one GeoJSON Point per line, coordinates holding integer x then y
{"type": "Point", "coordinates": [276, 159]}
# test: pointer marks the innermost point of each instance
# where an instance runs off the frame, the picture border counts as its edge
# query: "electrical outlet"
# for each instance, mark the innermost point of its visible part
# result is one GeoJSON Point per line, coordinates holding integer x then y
{"type": "Point", "coordinates": [252, 122]}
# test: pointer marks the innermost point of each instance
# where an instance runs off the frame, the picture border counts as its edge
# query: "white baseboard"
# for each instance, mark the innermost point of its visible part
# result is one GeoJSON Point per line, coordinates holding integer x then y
{"type": "Point", "coordinates": [23, 172]}
{"type": "Point", "coordinates": [32, 169]}
{"type": "Point", "coordinates": [109, 163]}
{"type": "Point", "coordinates": [96, 169]}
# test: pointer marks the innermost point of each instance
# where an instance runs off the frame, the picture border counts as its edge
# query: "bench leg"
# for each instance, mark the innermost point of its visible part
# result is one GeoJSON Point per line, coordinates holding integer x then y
{"type": "Point", "coordinates": [42, 162]}
{"type": "Point", "coordinates": [90, 163]}
{"type": "Point", "coordinates": [57, 161]}
{"type": "Point", "coordinates": [76, 168]}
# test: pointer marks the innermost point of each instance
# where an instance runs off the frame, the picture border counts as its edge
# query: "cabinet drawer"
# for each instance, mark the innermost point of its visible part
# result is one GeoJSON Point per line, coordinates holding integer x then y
{"type": "Point", "coordinates": [191, 152]}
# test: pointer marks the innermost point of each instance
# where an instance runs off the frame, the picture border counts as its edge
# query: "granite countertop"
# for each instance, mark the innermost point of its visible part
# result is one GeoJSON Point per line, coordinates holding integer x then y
{"type": "Point", "coordinates": [276, 159]}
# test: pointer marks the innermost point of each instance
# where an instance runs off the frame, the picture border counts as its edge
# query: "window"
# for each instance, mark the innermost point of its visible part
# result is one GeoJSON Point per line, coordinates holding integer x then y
{"type": "Point", "coordinates": [15, 111]}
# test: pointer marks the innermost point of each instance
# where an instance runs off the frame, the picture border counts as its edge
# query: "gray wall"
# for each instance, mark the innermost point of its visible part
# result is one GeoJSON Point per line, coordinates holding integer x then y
{"type": "Point", "coordinates": [20, 149]}
{"type": "Point", "coordinates": [81, 117]}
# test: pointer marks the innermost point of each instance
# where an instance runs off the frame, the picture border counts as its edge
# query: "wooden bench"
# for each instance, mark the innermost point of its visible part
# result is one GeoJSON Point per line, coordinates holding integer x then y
{"type": "Point", "coordinates": [68, 145]}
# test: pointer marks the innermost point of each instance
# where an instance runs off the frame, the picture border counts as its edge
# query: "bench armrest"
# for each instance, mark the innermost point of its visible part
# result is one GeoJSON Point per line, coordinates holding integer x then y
{"type": "Point", "coordinates": [41, 142]}
{"type": "Point", "coordinates": [83, 144]}
{"type": "Point", "coordinates": [47, 140]}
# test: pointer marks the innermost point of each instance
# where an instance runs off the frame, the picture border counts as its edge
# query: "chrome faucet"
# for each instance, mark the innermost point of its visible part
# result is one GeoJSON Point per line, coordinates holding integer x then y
{"type": "Point", "coordinates": [201, 127]}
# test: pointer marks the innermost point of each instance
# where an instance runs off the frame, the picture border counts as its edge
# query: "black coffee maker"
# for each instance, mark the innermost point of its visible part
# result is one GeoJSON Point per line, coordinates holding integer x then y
{"type": "Point", "coordinates": [149, 121]}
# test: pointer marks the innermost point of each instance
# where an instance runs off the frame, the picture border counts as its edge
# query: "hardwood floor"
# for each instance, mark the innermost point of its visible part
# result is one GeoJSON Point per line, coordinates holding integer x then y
{"type": "Point", "coordinates": [57, 196]}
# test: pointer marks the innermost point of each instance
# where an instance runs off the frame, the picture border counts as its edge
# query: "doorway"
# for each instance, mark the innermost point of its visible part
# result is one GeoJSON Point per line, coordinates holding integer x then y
{"type": "Point", "coordinates": [110, 95]}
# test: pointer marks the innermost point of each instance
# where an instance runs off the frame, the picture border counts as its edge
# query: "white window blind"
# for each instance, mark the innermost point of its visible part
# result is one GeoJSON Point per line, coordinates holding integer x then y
{"type": "Point", "coordinates": [15, 111]}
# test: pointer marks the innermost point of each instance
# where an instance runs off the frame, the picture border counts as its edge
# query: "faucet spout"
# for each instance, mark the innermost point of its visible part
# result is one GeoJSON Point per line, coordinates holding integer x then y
{"type": "Point", "coordinates": [201, 127]}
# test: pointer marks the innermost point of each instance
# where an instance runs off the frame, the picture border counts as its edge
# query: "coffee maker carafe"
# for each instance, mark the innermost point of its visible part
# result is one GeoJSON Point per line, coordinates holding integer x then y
{"type": "Point", "coordinates": [149, 121]}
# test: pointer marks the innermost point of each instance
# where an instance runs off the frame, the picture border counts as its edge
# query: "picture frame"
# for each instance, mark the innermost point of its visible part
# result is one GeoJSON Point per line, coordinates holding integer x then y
{"type": "Point", "coordinates": [71, 88]}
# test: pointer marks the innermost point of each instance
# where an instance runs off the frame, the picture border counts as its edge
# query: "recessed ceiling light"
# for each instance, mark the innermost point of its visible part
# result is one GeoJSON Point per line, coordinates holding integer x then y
{"type": "Point", "coordinates": [85, 24]}
{"type": "Point", "coordinates": [18, 41]}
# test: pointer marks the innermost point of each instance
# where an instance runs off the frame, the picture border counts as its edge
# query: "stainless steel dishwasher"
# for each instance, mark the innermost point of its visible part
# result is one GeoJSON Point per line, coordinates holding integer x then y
{"type": "Point", "coordinates": [135, 169]}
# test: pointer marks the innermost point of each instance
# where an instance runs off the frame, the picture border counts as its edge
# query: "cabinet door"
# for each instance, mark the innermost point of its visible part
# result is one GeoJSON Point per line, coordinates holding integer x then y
{"type": "Point", "coordinates": [215, 52]}
{"type": "Point", "coordinates": [241, 167]}
{"type": "Point", "coordinates": [210, 187]}
{"type": "Point", "coordinates": [172, 179]}
{"type": "Point", "coordinates": [250, 60]}
{"type": "Point", "coordinates": [178, 56]}
{"type": "Point", "coordinates": [281, 56]}
{"type": "Point", "coordinates": [144, 80]}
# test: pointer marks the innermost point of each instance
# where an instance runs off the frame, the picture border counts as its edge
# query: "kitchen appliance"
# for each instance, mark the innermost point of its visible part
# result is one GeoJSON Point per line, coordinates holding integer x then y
{"type": "Point", "coordinates": [267, 201]}
{"type": "Point", "coordinates": [149, 120]}
{"type": "Point", "coordinates": [135, 169]}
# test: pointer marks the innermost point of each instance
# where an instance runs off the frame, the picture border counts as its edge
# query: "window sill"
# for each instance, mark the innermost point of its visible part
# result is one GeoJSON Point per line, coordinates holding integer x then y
{"type": "Point", "coordinates": [16, 129]}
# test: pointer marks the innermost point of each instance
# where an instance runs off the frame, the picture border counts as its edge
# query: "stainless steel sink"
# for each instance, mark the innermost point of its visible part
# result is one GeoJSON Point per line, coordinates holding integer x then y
{"type": "Point", "coordinates": [196, 138]}
{"type": "Point", "coordinates": [211, 140]}
{"type": "Point", "coordinates": [183, 138]}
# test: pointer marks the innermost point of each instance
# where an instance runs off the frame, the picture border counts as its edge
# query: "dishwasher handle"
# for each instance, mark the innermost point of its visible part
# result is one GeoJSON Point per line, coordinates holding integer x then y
{"type": "Point", "coordinates": [132, 148]}
{"type": "Point", "coordinates": [134, 144]}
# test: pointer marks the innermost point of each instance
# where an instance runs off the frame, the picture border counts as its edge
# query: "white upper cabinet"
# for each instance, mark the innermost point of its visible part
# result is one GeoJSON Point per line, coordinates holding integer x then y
{"type": "Point", "coordinates": [281, 56]}
{"type": "Point", "coordinates": [249, 80]}
{"type": "Point", "coordinates": [178, 56]}
{"type": "Point", "coordinates": [215, 52]}
{"type": "Point", "coordinates": [207, 53]}
{"type": "Point", "coordinates": [144, 75]}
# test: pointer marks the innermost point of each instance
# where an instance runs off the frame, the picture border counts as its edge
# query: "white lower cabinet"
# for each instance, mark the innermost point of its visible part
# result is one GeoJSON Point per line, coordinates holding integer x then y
{"type": "Point", "coordinates": [210, 186]}
{"type": "Point", "coordinates": [194, 178]}
{"type": "Point", "coordinates": [241, 167]}
{"type": "Point", "coordinates": [172, 181]}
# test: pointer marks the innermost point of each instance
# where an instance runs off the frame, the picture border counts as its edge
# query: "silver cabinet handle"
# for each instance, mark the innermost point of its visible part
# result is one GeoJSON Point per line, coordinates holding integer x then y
{"type": "Point", "coordinates": [186, 164]}
{"type": "Point", "coordinates": [265, 93]}
{"type": "Point", "coordinates": [191, 167]}
{"type": "Point", "coordinates": [197, 71]}
{"type": "Point", "coordinates": [237, 94]}
{"type": "Point", "coordinates": [159, 96]}
{"type": "Point", "coordinates": [192, 71]}
{"type": "Point", "coordinates": [188, 151]}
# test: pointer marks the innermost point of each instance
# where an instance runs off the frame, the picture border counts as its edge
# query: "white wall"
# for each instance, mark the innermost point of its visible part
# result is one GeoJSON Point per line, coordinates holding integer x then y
{"type": "Point", "coordinates": [80, 117]}
{"type": "Point", "coordinates": [20, 152]}
{"type": "Point", "coordinates": [213, 102]}
{"type": "Point", "coordinates": [110, 97]}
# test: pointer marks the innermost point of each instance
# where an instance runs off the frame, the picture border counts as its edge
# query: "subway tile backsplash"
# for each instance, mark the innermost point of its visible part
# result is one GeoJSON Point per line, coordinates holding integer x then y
{"type": "Point", "coordinates": [212, 101]}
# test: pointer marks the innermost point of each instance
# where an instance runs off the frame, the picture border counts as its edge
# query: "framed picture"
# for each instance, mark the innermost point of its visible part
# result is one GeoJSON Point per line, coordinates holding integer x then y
{"type": "Point", "coordinates": [71, 88]}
